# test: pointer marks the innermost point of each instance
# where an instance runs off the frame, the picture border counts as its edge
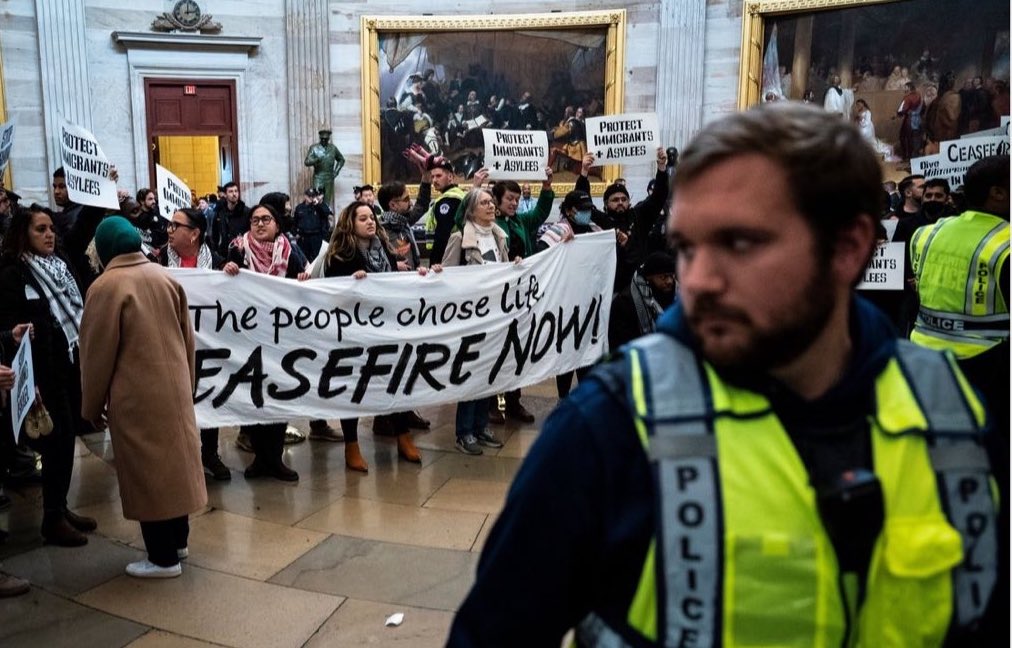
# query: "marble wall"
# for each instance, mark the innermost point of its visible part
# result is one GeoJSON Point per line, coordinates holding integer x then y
{"type": "Point", "coordinates": [273, 162]}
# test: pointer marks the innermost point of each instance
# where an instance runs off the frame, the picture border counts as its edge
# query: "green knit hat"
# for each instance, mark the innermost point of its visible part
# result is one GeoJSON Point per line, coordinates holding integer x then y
{"type": "Point", "coordinates": [115, 236]}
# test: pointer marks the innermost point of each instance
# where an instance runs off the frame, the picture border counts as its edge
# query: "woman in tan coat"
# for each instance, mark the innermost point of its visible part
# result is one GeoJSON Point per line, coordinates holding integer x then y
{"type": "Point", "coordinates": [137, 364]}
{"type": "Point", "coordinates": [479, 242]}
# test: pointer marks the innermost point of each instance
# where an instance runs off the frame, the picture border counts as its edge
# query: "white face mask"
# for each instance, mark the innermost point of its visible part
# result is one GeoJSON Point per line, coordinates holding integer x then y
{"type": "Point", "coordinates": [582, 217]}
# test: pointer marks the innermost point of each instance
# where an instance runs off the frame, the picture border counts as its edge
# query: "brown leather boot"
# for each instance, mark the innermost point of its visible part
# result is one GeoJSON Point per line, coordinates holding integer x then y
{"type": "Point", "coordinates": [353, 457]}
{"type": "Point", "coordinates": [56, 530]}
{"type": "Point", "coordinates": [406, 449]}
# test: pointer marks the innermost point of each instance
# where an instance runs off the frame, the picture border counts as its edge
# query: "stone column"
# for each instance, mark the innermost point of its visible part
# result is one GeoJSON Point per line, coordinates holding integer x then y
{"type": "Point", "coordinates": [681, 37]}
{"type": "Point", "coordinates": [306, 35]}
{"type": "Point", "coordinates": [63, 57]}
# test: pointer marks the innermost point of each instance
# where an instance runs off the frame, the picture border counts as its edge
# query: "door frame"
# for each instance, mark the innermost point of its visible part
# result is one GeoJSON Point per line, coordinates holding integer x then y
{"type": "Point", "coordinates": [171, 56]}
{"type": "Point", "coordinates": [153, 133]}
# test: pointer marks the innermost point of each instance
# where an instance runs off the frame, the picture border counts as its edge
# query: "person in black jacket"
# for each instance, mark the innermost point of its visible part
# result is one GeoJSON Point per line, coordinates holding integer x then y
{"type": "Point", "coordinates": [186, 249]}
{"type": "Point", "coordinates": [635, 310]}
{"type": "Point", "coordinates": [634, 223]}
{"type": "Point", "coordinates": [38, 286]}
{"type": "Point", "coordinates": [231, 219]}
{"type": "Point", "coordinates": [359, 246]}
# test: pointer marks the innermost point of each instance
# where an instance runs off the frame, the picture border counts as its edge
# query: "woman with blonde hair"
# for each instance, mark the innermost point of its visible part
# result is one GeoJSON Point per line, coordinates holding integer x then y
{"type": "Point", "coordinates": [358, 247]}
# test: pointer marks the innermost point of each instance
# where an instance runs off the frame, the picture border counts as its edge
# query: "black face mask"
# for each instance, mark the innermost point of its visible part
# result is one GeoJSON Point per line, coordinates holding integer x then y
{"type": "Point", "coordinates": [934, 209]}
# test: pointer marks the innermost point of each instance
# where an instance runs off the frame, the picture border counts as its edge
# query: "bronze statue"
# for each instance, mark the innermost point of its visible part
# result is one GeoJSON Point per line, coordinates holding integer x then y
{"type": "Point", "coordinates": [327, 163]}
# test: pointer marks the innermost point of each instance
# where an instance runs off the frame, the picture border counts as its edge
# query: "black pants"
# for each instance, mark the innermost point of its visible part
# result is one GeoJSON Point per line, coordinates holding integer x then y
{"type": "Point", "coordinates": [208, 442]}
{"type": "Point", "coordinates": [989, 374]}
{"type": "Point", "coordinates": [564, 381]}
{"type": "Point", "coordinates": [268, 441]}
{"type": "Point", "coordinates": [512, 399]}
{"type": "Point", "coordinates": [399, 420]}
{"type": "Point", "coordinates": [164, 538]}
{"type": "Point", "coordinates": [57, 450]}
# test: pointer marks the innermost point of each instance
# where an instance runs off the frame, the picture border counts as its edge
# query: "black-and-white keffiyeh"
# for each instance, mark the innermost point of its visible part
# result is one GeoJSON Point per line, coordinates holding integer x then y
{"type": "Point", "coordinates": [204, 259]}
{"type": "Point", "coordinates": [376, 259]}
{"type": "Point", "coordinates": [62, 293]}
{"type": "Point", "coordinates": [647, 308]}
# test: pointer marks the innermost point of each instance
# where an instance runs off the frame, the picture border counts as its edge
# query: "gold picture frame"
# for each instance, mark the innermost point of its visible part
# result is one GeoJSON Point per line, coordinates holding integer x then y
{"type": "Point", "coordinates": [861, 57]}
{"type": "Point", "coordinates": [610, 24]}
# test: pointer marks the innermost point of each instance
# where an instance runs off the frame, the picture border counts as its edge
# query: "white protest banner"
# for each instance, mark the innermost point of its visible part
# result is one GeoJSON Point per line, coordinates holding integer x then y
{"type": "Point", "coordinates": [23, 394]}
{"type": "Point", "coordinates": [623, 139]}
{"type": "Point", "coordinates": [172, 193]}
{"type": "Point", "coordinates": [87, 168]}
{"type": "Point", "coordinates": [956, 156]}
{"type": "Point", "coordinates": [271, 349]}
{"type": "Point", "coordinates": [516, 154]}
{"type": "Point", "coordinates": [885, 270]}
{"type": "Point", "coordinates": [6, 142]}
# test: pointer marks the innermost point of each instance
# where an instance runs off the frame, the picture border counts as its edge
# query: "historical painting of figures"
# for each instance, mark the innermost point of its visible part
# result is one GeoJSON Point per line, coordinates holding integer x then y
{"type": "Point", "coordinates": [910, 73]}
{"type": "Point", "coordinates": [438, 83]}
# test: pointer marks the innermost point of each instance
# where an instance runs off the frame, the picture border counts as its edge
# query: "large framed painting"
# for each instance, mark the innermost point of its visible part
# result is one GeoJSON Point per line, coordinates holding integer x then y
{"type": "Point", "coordinates": [909, 73]}
{"type": "Point", "coordinates": [438, 81]}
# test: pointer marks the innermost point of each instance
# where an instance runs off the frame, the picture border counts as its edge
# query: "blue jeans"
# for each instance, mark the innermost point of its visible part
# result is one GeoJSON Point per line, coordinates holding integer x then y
{"type": "Point", "coordinates": [472, 417]}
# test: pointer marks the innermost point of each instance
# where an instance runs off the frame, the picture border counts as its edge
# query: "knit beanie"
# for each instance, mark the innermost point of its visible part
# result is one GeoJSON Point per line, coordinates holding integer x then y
{"type": "Point", "coordinates": [115, 236]}
{"type": "Point", "coordinates": [614, 189]}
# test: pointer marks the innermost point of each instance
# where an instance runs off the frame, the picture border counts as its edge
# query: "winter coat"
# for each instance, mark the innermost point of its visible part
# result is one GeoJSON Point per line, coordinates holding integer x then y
{"type": "Point", "coordinates": [462, 248]}
{"type": "Point", "coordinates": [137, 358]}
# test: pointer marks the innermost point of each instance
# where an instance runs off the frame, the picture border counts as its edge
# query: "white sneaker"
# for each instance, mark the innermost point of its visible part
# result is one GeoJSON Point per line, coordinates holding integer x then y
{"type": "Point", "coordinates": [147, 569]}
{"type": "Point", "coordinates": [183, 553]}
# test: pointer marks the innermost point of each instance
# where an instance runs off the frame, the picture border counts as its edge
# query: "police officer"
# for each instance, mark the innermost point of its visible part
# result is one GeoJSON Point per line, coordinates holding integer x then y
{"type": "Point", "coordinates": [312, 222]}
{"type": "Point", "coordinates": [961, 269]}
{"type": "Point", "coordinates": [772, 467]}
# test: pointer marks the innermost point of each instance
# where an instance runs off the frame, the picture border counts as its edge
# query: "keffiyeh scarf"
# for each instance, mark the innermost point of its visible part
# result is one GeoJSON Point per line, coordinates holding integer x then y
{"type": "Point", "coordinates": [266, 258]}
{"type": "Point", "coordinates": [62, 293]}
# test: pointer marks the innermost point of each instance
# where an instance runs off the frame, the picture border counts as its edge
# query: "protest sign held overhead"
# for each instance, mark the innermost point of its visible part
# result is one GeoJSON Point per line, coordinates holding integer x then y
{"type": "Point", "coordinates": [6, 142]}
{"type": "Point", "coordinates": [172, 193]}
{"type": "Point", "coordinates": [23, 393]}
{"type": "Point", "coordinates": [272, 350]}
{"type": "Point", "coordinates": [87, 168]}
{"type": "Point", "coordinates": [885, 269]}
{"type": "Point", "coordinates": [515, 154]}
{"type": "Point", "coordinates": [956, 156]}
{"type": "Point", "coordinates": [623, 139]}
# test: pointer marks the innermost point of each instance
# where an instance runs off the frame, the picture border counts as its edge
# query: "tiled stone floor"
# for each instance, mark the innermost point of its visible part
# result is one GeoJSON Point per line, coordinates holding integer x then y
{"type": "Point", "coordinates": [319, 563]}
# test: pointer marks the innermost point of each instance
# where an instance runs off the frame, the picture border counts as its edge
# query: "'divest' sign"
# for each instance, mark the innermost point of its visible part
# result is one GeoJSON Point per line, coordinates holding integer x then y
{"type": "Point", "coordinates": [956, 156]}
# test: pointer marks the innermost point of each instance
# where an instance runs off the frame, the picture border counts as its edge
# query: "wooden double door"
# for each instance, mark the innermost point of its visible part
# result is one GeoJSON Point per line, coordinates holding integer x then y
{"type": "Point", "coordinates": [192, 131]}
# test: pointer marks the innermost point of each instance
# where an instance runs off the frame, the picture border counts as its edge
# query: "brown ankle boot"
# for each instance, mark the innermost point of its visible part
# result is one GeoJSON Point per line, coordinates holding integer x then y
{"type": "Point", "coordinates": [407, 450]}
{"type": "Point", "coordinates": [353, 457]}
{"type": "Point", "coordinates": [56, 530]}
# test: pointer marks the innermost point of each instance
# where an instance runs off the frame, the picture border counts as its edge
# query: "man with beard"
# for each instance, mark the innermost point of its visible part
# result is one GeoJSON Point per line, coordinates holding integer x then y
{"type": "Point", "coordinates": [439, 219]}
{"type": "Point", "coordinates": [773, 465]}
{"type": "Point", "coordinates": [635, 310]}
{"type": "Point", "coordinates": [634, 223]}
{"type": "Point", "coordinates": [151, 226]}
{"type": "Point", "coordinates": [231, 219]}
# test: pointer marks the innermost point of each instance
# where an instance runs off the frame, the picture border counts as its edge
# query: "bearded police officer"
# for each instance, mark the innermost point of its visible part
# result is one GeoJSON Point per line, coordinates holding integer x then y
{"type": "Point", "coordinates": [772, 467]}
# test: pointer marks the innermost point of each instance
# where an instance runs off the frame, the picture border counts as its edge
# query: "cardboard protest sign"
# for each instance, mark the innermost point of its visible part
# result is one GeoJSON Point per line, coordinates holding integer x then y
{"type": "Point", "coordinates": [516, 154]}
{"type": "Point", "coordinates": [271, 349]}
{"type": "Point", "coordinates": [23, 394]}
{"type": "Point", "coordinates": [87, 168]}
{"type": "Point", "coordinates": [956, 156]}
{"type": "Point", "coordinates": [172, 193]}
{"type": "Point", "coordinates": [885, 270]}
{"type": "Point", "coordinates": [6, 142]}
{"type": "Point", "coordinates": [623, 139]}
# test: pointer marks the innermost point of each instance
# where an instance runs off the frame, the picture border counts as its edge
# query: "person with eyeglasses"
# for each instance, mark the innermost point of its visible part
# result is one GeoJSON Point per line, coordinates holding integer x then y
{"type": "Point", "coordinates": [264, 249]}
{"type": "Point", "coordinates": [186, 249]}
{"type": "Point", "coordinates": [479, 242]}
